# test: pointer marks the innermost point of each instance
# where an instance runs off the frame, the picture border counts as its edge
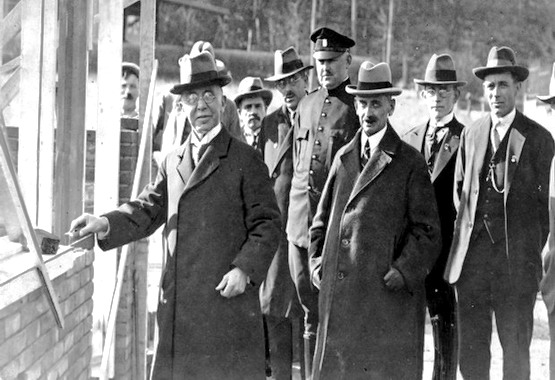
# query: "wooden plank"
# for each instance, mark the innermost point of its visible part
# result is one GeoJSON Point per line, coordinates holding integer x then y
{"type": "Point", "coordinates": [10, 89]}
{"type": "Point", "coordinates": [128, 3]}
{"type": "Point", "coordinates": [11, 24]}
{"type": "Point", "coordinates": [10, 65]}
{"type": "Point", "coordinates": [201, 5]}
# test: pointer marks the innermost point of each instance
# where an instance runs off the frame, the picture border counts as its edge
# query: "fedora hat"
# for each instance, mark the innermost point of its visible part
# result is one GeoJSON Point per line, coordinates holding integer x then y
{"type": "Point", "coordinates": [200, 46]}
{"type": "Point", "coordinates": [551, 96]}
{"type": "Point", "coordinates": [440, 70]}
{"type": "Point", "coordinates": [251, 87]}
{"type": "Point", "coordinates": [197, 71]}
{"type": "Point", "coordinates": [287, 63]}
{"type": "Point", "coordinates": [501, 60]}
{"type": "Point", "coordinates": [373, 80]}
{"type": "Point", "coordinates": [329, 44]}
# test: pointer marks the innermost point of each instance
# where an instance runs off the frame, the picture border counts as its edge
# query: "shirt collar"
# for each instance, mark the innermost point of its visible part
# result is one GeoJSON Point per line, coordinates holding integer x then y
{"type": "Point", "coordinates": [505, 121]}
{"type": "Point", "coordinates": [373, 140]}
{"type": "Point", "coordinates": [208, 136]}
{"type": "Point", "coordinates": [444, 120]}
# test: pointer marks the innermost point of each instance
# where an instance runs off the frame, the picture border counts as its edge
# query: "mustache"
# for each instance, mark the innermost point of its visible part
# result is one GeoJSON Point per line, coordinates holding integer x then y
{"type": "Point", "coordinates": [370, 119]}
{"type": "Point", "coordinates": [254, 117]}
{"type": "Point", "coordinates": [128, 97]}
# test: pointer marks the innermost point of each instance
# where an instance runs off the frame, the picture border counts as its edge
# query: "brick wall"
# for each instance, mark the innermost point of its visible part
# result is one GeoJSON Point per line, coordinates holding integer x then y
{"type": "Point", "coordinates": [31, 344]}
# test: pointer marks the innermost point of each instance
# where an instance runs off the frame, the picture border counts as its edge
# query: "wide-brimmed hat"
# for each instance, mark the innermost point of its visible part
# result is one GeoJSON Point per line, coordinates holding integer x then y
{"type": "Point", "coordinates": [373, 80]}
{"type": "Point", "coordinates": [287, 63]}
{"type": "Point", "coordinates": [440, 70]}
{"type": "Point", "coordinates": [251, 87]}
{"type": "Point", "coordinates": [329, 44]}
{"type": "Point", "coordinates": [200, 46]}
{"type": "Point", "coordinates": [197, 71]}
{"type": "Point", "coordinates": [501, 60]}
{"type": "Point", "coordinates": [130, 67]}
{"type": "Point", "coordinates": [551, 96]}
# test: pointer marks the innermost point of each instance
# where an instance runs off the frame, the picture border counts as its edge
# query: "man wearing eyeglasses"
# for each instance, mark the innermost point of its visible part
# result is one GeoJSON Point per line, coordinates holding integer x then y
{"type": "Point", "coordinates": [438, 140]}
{"type": "Point", "coordinates": [278, 298]}
{"type": "Point", "coordinates": [501, 195]}
{"type": "Point", "coordinates": [325, 120]}
{"type": "Point", "coordinates": [222, 228]}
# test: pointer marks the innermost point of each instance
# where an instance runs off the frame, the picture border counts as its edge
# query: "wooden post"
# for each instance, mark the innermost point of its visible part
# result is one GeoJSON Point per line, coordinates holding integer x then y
{"type": "Point", "coordinates": [353, 23]}
{"type": "Point", "coordinates": [389, 32]}
{"type": "Point", "coordinates": [312, 73]}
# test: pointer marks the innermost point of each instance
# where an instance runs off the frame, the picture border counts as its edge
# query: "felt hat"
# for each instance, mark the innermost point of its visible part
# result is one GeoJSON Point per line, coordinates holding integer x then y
{"type": "Point", "coordinates": [197, 71]}
{"type": "Point", "coordinates": [287, 63]}
{"type": "Point", "coordinates": [501, 60]}
{"type": "Point", "coordinates": [329, 44]}
{"type": "Point", "coordinates": [130, 67]}
{"type": "Point", "coordinates": [200, 46]}
{"type": "Point", "coordinates": [251, 87]}
{"type": "Point", "coordinates": [373, 80]}
{"type": "Point", "coordinates": [551, 96]}
{"type": "Point", "coordinates": [440, 70]}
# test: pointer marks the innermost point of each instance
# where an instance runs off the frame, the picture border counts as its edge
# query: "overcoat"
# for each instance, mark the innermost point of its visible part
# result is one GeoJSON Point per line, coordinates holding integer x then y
{"type": "Point", "coordinates": [442, 180]}
{"type": "Point", "coordinates": [529, 153]}
{"type": "Point", "coordinates": [277, 292]}
{"type": "Point", "coordinates": [219, 215]}
{"type": "Point", "coordinates": [367, 222]}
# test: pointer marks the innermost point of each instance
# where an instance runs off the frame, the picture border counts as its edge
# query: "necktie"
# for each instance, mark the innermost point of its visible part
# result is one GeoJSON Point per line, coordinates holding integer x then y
{"type": "Point", "coordinates": [495, 139]}
{"type": "Point", "coordinates": [433, 145]}
{"type": "Point", "coordinates": [365, 154]}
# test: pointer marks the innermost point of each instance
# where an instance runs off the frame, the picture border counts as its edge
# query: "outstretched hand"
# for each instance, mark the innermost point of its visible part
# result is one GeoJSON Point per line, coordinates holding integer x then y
{"type": "Point", "coordinates": [233, 283]}
{"type": "Point", "coordinates": [87, 224]}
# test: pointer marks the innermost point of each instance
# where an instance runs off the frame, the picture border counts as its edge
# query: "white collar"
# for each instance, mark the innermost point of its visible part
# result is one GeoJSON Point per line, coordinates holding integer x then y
{"type": "Point", "coordinates": [505, 121]}
{"type": "Point", "coordinates": [208, 136]}
{"type": "Point", "coordinates": [373, 140]}
{"type": "Point", "coordinates": [444, 120]}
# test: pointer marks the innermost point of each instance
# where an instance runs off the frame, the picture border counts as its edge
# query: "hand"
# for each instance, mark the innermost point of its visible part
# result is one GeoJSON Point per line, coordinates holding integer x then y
{"type": "Point", "coordinates": [87, 224]}
{"type": "Point", "coordinates": [394, 280]}
{"type": "Point", "coordinates": [233, 283]}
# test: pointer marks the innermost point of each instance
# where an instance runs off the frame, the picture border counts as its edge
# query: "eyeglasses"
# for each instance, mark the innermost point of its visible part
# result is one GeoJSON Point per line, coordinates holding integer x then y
{"type": "Point", "coordinates": [191, 98]}
{"type": "Point", "coordinates": [282, 83]}
{"type": "Point", "coordinates": [441, 92]}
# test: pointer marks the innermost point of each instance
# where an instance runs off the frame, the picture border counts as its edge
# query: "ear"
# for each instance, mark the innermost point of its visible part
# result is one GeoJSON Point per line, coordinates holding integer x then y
{"type": "Point", "coordinates": [518, 86]}
{"type": "Point", "coordinates": [392, 103]}
{"type": "Point", "coordinates": [349, 59]}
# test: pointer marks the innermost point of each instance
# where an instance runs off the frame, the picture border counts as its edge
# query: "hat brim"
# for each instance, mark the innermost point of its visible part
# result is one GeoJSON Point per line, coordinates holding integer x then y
{"type": "Point", "coordinates": [520, 72]}
{"type": "Point", "coordinates": [547, 98]}
{"type": "Point", "coordinates": [275, 78]}
{"type": "Point", "coordinates": [448, 82]}
{"type": "Point", "coordinates": [327, 54]}
{"type": "Point", "coordinates": [265, 94]}
{"type": "Point", "coordinates": [221, 81]}
{"type": "Point", "coordinates": [352, 89]}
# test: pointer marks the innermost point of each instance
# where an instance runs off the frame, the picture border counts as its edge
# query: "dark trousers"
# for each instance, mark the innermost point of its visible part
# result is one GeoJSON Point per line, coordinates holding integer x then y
{"type": "Point", "coordinates": [485, 287]}
{"type": "Point", "coordinates": [440, 298]}
{"type": "Point", "coordinates": [308, 298]}
{"type": "Point", "coordinates": [280, 342]}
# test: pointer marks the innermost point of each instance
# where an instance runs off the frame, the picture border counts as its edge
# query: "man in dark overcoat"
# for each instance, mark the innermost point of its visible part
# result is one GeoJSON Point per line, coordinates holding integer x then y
{"type": "Point", "coordinates": [325, 121]}
{"type": "Point", "coordinates": [501, 196]}
{"type": "Point", "coordinates": [438, 140]}
{"type": "Point", "coordinates": [375, 237]}
{"type": "Point", "coordinates": [222, 229]}
{"type": "Point", "coordinates": [278, 299]}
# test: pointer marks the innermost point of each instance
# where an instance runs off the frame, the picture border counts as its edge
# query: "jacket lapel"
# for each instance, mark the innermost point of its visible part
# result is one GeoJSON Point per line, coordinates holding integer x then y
{"type": "Point", "coordinates": [514, 149]}
{"type": "Point", "coordinates": [378, 162]}
{"type": "Point", "coordinates": [287, 141]}
{"type": "Point", "coordinates": [415, 137]}
{"type": "Point", "coordinates": [448, 148]}
{"type": "Point", "coordinates": [480, 144]}
{"type": "Point", "coordinates": [185, 163]}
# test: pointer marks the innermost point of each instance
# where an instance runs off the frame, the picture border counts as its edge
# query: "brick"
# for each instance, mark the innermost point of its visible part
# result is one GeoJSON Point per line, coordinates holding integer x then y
{"type": "Point", "coordinates": [46, 323]}
{"type": "Point", "coordinates": [12, 347]}
{"type": "Point", "coordinates": [32, 332]}
{"type": "Point", "coordinates": [85, 276]}
{"type": "Point", "coordinates": [34, 372]}
{"type": "Point", "coordinates": [11, 309]}
{"type": "Point", "coordinates": [90, 258]}
{"type": "Point", "coordinates": [12, 369]}
{"type": "Point", "coordinates": [12, 324]}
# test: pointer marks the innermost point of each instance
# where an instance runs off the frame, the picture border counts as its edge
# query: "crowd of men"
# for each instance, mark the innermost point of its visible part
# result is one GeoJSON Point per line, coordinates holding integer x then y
{"type": "Point", "coordinates": [320, 214]}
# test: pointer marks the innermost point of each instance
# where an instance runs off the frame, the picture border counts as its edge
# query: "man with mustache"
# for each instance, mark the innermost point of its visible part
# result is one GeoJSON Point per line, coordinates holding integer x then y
{"type": "Point", "coordinates": [129, 96]}
{"type": "Point", "coordinates": [325, 120]}
{"type": "Point", "coordinates": [252, 102]}
{"type": "Point", "coordinates": [438, 140]}
{"type": "Point", "coordinates": [501, 196]}
{"type": "Point", "coordinates": [278, 299]}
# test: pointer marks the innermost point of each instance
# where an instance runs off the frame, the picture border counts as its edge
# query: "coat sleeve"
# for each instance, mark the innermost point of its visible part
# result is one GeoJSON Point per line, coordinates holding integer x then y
{"type": "Point", "coordinates": [544, 158]}
{"type": "Point", "coordinates": [319, 227]}
{"type": "Point", "coordinates": [422, 242]}
{"type": "Point", "coordinates": [262, 220]}
{"type": "Point", "coordinates": [139, 218]}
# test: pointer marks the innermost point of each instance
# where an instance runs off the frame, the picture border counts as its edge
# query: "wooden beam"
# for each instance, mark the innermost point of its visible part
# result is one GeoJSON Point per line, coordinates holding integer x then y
{"type": "Point", "coordinates": [10, 65]}
{"type": "Point", "coordinates": [201, 5]}
{"type": "Point", "coordinates": [128, 3]}
{"type": "Point", "coordinates": [11, 24]}
{"type": "Point", "coordinates": [10, 89]}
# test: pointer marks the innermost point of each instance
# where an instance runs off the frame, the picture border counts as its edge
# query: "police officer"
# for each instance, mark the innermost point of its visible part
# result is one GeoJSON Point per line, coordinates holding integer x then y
{"type": "Point", "coordinates": [325, 121]}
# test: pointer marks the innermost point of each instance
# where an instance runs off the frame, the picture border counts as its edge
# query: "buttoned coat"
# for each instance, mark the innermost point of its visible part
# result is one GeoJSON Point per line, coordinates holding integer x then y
{"type": "Point", "coordinates": [219, 215]}
{"type": "Point", "coordinates": [325, 121]}
{"type": "Point", "coordinates": [367, 222]}
{"type": "Point", "coordinates": [529, 153]}
{"type": "Point", "coordinates": [442, 179]}
{"type": "Point", "coordinates": [277, 293]}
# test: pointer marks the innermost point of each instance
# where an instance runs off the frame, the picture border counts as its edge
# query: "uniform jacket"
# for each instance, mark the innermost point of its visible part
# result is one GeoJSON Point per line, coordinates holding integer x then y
{"type": "Point", "coordinates": [219, 215]}
{"type": "Point", "coordinates": [529, 153]}
{"type": "Point", "coordinates": [442, 179]}
{"type": "Point", "coordinates": [277, 293]}
{"type": "Point", "coordinates": [325, 121]}
{"type": "Point", "coordinates": [367, 222]}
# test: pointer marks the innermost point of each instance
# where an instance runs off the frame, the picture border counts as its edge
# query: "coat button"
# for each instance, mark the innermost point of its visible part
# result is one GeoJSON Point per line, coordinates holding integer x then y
{"type": "Point", "coordinates": [309, 187]}
{"type": "Point", "coordinates": [320, 128]}
{"type": "Point", "coordinates": [345, 242]}
{"type": "Point", "coordinates": [340, 275]}
{"type": "Point", "coordinates": [317, 142]}
{"type": "Point", "coordinates": [314, 156]}
{"type": "Point", "coordinates": [274, 175]}
{"type": "Point", "coordinates": [324, 114]}
{"type": "Point", "coordinates": [311, 172]}
{"type": "Point", "coordinates": [327, 101]}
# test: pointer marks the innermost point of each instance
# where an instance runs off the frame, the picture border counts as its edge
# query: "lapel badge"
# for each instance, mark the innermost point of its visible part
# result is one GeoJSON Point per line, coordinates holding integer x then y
{"type": "Point", "coordinates": [324, 42]}
{"type": "Point", "coordinates": [446, 147]}
{"type": "Point", "coordinates": [513, 159]}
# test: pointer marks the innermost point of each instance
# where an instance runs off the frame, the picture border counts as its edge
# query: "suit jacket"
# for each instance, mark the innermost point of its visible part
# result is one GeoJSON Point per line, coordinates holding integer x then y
{"type": "Point", "coordinates": [277, 293]}
{"type": "Point", "coordinates": [529, 153]}
{"type": "Point", "coordinates": [324, 122]}
{"type": "Point", "coordinates": [366, 223]}
{"type": "Point", "coordinates": [219, 215]}
{"type": "Point", "coordinates": [442, 178]}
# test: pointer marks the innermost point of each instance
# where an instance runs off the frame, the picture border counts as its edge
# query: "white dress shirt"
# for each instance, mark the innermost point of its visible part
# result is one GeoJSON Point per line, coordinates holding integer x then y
{"type": "Point", "coordinates": [502, 124]}
{"type": "Point", "coordinates": [197, 142]}
{"type": "Point", "coordinates": [373, 140]}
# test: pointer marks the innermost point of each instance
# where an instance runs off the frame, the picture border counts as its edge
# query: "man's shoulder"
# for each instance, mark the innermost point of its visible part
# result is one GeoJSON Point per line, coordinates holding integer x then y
{"type": "Point", "coordinates": [532, 126]}
{"type": "Point", "coordinates": [415, 129]}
